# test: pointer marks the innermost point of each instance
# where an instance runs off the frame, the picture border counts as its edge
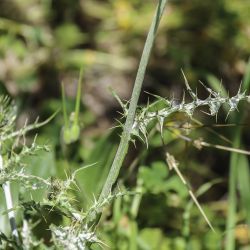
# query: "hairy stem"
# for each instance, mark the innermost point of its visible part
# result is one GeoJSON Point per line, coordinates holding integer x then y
{"type": "Point", "coordinates": [123, 146]}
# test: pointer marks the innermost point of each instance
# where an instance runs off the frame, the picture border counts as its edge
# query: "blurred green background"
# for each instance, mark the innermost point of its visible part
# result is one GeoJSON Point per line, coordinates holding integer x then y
{"type": "Point", "coordinates": [45, 42]}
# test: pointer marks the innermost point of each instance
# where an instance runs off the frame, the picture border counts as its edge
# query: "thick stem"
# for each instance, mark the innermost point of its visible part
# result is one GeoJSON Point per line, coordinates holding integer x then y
{"type": "Point", "coordinates": [123, 146]}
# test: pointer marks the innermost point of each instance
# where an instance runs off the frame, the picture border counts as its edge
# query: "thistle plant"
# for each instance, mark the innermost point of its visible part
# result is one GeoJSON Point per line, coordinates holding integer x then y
{"type": "Point", "coordinates": [80, 231]}
{"type": "Point", "coordinates": [138, 119]}
{"type": "Point", "coordinates": [12, 151]}
{"type": "Point", "coordinates": [146, 116]}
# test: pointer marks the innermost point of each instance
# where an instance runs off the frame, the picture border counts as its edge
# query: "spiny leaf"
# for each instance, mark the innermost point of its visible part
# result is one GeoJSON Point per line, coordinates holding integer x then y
{"type": "Point", "coordinates": [144, 116]}
{"type": "Point", "coordinates": [192, 94]}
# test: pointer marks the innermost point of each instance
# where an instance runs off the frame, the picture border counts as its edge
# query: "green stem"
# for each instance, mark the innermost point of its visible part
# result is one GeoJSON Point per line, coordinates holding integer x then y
{"type": "Point", "coordinates": [65, 116]}
{"type": "Point", "coordinates": [234, 172]}
{"type": "Point", "coordinates": [78, 98]}
{"type": "Point", "coordinates": [231, 217]}
{"type": "Point", "coordinates": [123, 146]}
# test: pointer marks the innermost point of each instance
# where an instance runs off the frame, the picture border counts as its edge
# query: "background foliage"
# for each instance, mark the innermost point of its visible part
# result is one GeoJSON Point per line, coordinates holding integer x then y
{"type": "Point", "coordinates": [44, 43]}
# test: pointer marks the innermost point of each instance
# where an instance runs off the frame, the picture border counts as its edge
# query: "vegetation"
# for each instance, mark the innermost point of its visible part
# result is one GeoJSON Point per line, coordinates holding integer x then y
{"type": "Point", "coordinates": [69, 182]}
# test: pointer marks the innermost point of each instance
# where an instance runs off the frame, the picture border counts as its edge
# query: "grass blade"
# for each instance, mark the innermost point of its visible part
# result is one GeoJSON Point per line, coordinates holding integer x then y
{"type": "Point", "coordinates": [237, 172]}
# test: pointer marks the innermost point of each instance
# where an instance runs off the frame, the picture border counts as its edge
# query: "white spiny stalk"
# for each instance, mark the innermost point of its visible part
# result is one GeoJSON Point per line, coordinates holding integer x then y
{"type": "Point", "coordinates": [9, 204]}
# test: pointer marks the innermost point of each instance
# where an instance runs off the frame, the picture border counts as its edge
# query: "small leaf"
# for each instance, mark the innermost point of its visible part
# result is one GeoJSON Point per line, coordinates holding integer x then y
{"type": "Point", "coordinates": [154, 177]}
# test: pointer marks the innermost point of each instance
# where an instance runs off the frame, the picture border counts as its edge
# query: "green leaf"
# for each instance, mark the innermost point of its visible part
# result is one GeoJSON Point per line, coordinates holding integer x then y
{"type": "Point", "coordinates": [153, 239]}
{"type": "Point", "coordinates": [175, 184]}
{"type": "Point", "coordinates": [154, 177]}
